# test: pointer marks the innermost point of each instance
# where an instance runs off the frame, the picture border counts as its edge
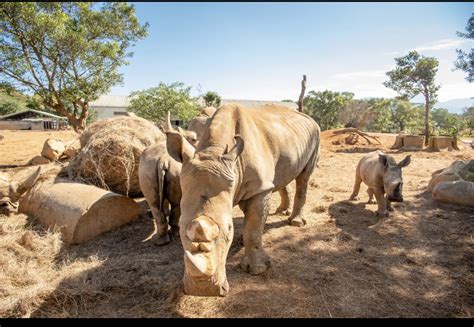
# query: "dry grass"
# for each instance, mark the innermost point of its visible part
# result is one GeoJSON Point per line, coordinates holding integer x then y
{"type": "Point", "coordinates": [344, 263]}
{"type": "Point", "coordinates": [111, 152]}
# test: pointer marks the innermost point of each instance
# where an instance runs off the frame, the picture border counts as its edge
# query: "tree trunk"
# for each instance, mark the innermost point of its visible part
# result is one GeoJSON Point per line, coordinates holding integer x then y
{"type": "Point", "coordinates": [427, 119]}
{"type": "Point", "coordinates": [78, 124]}
{"type": "Point", "coordinates": [303, 89]}
{"type": "Point", "coordinates": [83, 117]}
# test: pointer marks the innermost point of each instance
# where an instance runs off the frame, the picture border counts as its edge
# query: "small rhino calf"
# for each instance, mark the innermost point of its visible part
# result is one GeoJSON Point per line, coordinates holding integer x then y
{"type": "Point", "coordinates": [382, 175]}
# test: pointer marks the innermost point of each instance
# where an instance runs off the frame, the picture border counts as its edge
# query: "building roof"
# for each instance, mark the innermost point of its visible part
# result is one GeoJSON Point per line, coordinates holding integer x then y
{"type": "Point", "coordinates": [121, 101]}
{"type": "Point", "coordinates": [258, 103]}
{"type": "Point", "coordinates": [28, 113]}
{"type": "Point", "coordinates": [255, 103]}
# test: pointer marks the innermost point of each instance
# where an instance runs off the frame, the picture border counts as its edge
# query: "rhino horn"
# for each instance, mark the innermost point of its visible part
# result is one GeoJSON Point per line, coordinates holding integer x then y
{"type": "Point", "coordinates": [196, 264]}
{"type": "Point", "coordinates": [19, 188]}
{"type": "Point", "coordinates": [169, 127]}
{"type": "Point", "coordinates": [202, 229]}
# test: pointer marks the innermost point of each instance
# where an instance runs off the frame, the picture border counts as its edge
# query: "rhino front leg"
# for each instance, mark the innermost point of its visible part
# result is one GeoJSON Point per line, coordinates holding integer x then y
{"type": "Point", "coordinates": [381, 202]}
{"type": "Point", "coordinates": [389, 204]}
{"type": "Point", "coordinates": [370, 192]}
{"type": "Point", "coordinates": [174, 220]}
{"type": "Point", "coordinates": [255, 260]}
{"type": "Point", "coordinates": [285, 194]}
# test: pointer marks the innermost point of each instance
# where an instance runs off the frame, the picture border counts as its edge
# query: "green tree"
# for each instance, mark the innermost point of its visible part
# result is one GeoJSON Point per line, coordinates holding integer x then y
{"type": "Point", "coordinates": [324, 107]}
{"type": "Point", "coordinates": [414, 75]}
{"type": "Point", "coordinates": [67, 53]}
{"type": "Point", "coordinates": [212, 99]}
{"type": "Point", "coordinates": [465, 61]}
{"type": "Point", "coordinates": [8, 107]}
{"type": "Point", "coordinates": [468, 116]}
{"type": "Point", "coordinates": [382, 115]}
{"type": "Point", "coordinates": [440, 117]}
{"type": "Point", "coordinates": [405, 116]}
{"type": "Point", "coordinates": [154, 103]}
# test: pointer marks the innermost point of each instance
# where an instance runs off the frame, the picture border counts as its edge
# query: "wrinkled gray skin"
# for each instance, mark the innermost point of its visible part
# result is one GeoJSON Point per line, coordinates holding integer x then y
{"type": "Point", "coordinates": [199, 124]}
{"type": "Point", "coordinates": [158, 175]}
{"type": "Point", "coordinates": [383, 176]}
{"type": "Point", "coordinates": [269, 147]}
{"type": "Point", "coordinates": [12, 188]}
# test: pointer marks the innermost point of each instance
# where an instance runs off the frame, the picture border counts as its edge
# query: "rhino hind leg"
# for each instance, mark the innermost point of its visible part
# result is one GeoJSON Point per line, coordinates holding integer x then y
{"type": "Point", "coordinates": [256, 260]}
{"type": "Point", "coordinates": [285, 204]}
{"type": "Point", "coordinates": [160, 234]}
{"type": "Point", "coordinates": [356, 189]}
{"type": "Point", "coordinates": [296, 218]}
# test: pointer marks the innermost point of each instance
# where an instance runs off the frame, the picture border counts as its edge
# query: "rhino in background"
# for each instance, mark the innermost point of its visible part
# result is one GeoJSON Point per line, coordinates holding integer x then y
{"type": "Point", "coordinates": [383, 176]}
{"type": "Point", "coordinates": [13, 187]}
{"type": "Point", "coordinates": [158, 176]}
{"type": "Point", "coordinates": [243, 156]}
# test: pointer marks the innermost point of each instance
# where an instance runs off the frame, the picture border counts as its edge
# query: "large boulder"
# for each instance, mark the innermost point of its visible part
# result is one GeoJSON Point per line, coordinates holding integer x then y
{"type": "Point", "coordinates": [53, 149]}
{"type": "Point", "coordinates": [454, 184]}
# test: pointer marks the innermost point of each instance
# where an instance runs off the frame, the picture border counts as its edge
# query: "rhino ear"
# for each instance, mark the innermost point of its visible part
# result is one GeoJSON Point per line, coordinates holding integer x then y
{"type": "Point", "coordinates": [17, 189]}
{"type": "Point", "coordinates": [383, 160]}
{"type": "Point", "coordinates": [178, 147]}
{"type": "Point", "coordinates": [236, 151]}
{"type": "Point", "coordinates": [405, 162]}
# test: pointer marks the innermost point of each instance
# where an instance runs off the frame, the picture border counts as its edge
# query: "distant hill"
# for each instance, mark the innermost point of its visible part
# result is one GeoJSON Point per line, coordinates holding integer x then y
{"type": "Point", "coordinates": [455, 105]}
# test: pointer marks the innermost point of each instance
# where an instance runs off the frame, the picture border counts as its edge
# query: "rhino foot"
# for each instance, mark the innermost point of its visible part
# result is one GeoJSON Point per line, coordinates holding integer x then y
{"type": "Point", "coordinates": [297, 221]}
{"type": "Point", "coordinates": [354, 198]}
{"type": "Point", "coordinates": [283, 211]}
{"type": "Point", "coordinates": [381, 214]}
{"type": "Point", "coordinates": [160, 240]}
{"type": "Point", "coordinates": [255, 263]}
{"type": "Point", "coordinates": [370, 202]}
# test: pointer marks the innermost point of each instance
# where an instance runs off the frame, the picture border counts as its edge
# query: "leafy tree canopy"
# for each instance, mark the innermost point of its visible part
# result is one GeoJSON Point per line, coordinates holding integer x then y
{"type": "Point", "coordinates": [66, 53]}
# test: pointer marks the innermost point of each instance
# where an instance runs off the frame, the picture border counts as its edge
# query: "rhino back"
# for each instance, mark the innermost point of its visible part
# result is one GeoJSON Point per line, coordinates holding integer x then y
{"type": "Point", "coordinates": [370, 169]}
{"type": "Point", "coordinates": [278, 142]}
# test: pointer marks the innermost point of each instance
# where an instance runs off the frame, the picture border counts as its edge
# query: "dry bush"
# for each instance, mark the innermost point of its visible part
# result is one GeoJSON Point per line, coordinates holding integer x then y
{"type": "Point", "coordinates": [111, 152]}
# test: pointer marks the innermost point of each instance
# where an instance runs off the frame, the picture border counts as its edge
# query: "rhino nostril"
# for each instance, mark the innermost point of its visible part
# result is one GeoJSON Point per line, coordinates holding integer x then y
{"type": "Point", "coordinates": [205, 246]}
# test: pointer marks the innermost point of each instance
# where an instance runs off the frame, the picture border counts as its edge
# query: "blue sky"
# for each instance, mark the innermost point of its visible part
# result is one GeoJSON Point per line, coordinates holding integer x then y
{"type": "Point", "coordinates": [261, 50]}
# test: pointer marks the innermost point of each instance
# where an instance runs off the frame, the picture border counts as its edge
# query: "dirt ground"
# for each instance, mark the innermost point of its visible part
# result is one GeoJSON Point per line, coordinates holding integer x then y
{"type": "Point", "coordinates": [18, 147]}
{"type": "Point", "coordinates": [345, 262]}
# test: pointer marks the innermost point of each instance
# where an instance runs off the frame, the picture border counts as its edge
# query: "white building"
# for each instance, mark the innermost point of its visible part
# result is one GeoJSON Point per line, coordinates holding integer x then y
{"type": "Point", "coordinates": [108, 106]}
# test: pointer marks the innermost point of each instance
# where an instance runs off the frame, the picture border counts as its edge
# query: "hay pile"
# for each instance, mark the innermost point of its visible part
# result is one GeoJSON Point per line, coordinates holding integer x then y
{"type": "Point", "coordinates": [111, 152]}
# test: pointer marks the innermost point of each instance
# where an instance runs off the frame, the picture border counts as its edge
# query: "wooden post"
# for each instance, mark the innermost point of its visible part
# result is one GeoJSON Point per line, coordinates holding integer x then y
{"type": "Point", "coordinates": [303, 89]}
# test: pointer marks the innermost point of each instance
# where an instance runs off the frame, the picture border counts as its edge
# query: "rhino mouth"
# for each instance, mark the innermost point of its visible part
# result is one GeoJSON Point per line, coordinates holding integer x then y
{"type": "Point", "coordinates": [8, 207]}
{"type": "Point", "coordinates": [392, 198]}
{"type": "Point", "coordinates": [204, 286]}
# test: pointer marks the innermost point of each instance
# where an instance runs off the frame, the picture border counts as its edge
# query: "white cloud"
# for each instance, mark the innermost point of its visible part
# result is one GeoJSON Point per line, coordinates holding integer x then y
{"type": "Point", "coordinates": [440, 45]}
{"type": "Point", "coordinates": [432, 46]}
{"type": "Point", "coordinates": [361, 74]}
